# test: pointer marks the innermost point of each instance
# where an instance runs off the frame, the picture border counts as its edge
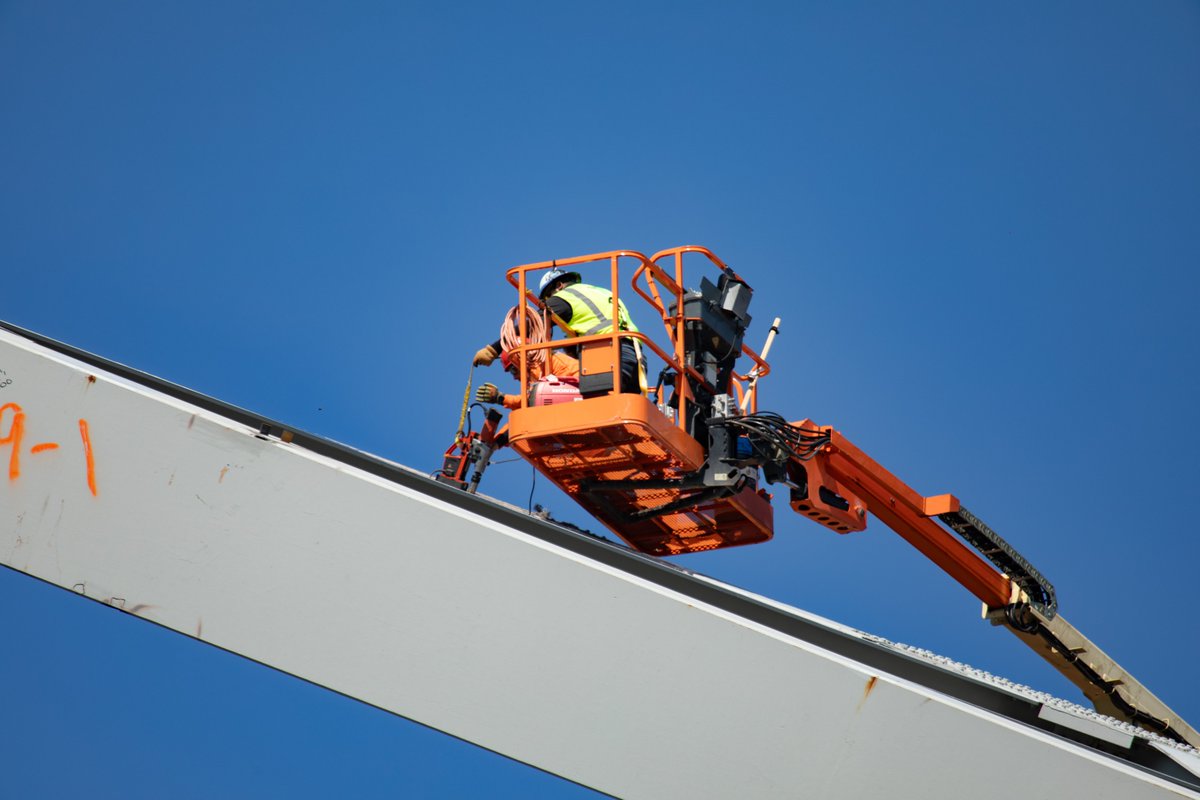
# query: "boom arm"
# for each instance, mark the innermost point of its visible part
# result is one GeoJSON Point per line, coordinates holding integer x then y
{"type": "Point", "coordinates": [836, 483]}
{"type": "Point", "coordinates": [839, 483]}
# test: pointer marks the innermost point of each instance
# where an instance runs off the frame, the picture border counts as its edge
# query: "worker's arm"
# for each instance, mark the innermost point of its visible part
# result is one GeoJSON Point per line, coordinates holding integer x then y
{"type": "Point", "coordinates": [487, 354]}
{"type": "Point", "coordinates": [563, 365]}
{"type": "Point", "coordinates": [559, 307]}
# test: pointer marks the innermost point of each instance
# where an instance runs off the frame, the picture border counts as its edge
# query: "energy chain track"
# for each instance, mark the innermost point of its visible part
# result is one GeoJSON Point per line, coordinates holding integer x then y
{"type": "Point", "coordinates": [1002, 555]}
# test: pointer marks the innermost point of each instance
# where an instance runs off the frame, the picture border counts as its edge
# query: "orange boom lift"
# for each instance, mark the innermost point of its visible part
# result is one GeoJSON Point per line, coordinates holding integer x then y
{"type": "Point", "coordinates": [675, 468]}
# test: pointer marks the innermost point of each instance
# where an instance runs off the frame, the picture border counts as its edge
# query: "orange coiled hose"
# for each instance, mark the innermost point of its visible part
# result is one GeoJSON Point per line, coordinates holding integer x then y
{"type": "Point", "coordinates": [535, 331]}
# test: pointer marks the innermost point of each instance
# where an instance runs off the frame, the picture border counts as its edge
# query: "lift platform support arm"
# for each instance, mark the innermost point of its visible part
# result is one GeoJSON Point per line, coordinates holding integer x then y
{"type": "Point", "coordinates": [840, 483]}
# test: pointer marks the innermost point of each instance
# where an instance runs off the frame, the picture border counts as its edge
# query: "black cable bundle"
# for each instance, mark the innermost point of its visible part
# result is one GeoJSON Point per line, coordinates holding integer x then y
{"type": "Point", "coordinates": [774, 438]}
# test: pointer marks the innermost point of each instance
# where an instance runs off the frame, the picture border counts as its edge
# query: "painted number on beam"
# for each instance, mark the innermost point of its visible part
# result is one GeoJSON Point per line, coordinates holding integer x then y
{"type": "Point", "coordinates": [13, 435]}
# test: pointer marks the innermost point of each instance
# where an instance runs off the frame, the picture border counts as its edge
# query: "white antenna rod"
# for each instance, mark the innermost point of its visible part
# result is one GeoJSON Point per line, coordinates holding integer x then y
{"type": "Point", "coordinates": [754, 372]}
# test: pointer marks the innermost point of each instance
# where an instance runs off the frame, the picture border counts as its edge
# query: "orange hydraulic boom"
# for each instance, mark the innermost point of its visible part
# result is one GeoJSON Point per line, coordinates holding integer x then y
{"type": "Point", "coordinates": [675, 468]}
{"type": "Point", "coordinates": [850, 484]}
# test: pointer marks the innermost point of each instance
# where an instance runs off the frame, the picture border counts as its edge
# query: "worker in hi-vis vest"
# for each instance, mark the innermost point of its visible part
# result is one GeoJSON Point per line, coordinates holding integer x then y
{"type": "Point", "coordinates": [587, 311]}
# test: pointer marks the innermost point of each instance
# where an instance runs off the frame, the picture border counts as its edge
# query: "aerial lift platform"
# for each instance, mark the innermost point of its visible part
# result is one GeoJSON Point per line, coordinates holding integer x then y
{"type": "Point", "coordinates": [584, 658]}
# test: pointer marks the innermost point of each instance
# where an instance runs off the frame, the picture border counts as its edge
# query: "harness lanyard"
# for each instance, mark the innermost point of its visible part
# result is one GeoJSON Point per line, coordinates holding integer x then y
{"type": "Point", "coordinates": [637, 348]}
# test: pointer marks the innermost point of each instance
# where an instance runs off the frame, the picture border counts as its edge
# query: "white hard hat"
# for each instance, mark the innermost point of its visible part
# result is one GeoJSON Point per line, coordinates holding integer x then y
{"type": "Point", "coordinates": [553, 275]}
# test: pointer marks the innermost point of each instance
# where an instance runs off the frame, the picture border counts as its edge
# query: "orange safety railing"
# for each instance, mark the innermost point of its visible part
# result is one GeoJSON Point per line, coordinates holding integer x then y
{"type": "Point", "coordinates": [674, 323]}
{"type": "Point", "coordinates": [624, 461]}
{"type": "Point", "coordinates": [658, 282]}
{"type": "Point", "coordinates": [519, 277]}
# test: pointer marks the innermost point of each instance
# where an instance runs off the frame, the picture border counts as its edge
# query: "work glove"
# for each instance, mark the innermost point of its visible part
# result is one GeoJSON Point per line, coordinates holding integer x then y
{"type": "Point", "coordinates": [488, 393]}
{"type": "Point", "coordinates": [485, 356]}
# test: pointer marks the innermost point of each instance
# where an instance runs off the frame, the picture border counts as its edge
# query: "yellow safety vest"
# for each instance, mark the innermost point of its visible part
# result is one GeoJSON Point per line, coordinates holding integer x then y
{"type": "Point", "coordinates": [591, 310]}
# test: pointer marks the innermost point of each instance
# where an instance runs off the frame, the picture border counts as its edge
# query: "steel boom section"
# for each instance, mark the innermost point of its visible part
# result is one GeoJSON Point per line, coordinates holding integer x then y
{"type": "Point", "coordinates": [906, 512]}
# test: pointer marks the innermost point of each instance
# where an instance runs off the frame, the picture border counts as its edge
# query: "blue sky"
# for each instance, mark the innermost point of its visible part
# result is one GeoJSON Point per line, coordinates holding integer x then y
{"type": "Point", "coordinates": [978, 222]}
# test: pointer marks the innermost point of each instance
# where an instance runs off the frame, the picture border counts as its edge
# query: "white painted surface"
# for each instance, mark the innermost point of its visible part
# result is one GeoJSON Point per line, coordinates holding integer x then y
{"type": "Point", "coordinates": [419, 607]}
{"type": "Point", "coordinates": [1087, 725]}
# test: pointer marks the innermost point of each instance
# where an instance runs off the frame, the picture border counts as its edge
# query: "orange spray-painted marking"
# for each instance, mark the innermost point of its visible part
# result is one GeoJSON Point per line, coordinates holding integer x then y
{"type": "Point", "coordinates": [87, 451]}
{"type": "Point", "coordinates": [44, 446]}
{"type": "Point", "coordinates": [15, 431]}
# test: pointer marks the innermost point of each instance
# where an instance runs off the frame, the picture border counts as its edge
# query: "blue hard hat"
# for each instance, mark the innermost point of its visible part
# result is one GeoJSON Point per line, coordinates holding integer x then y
{"type": "Point", "coordinates": [553, 275]}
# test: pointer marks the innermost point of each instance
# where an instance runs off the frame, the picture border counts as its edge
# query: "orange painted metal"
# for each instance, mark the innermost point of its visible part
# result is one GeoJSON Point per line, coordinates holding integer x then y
{"type": "Point", "coordinates": [847, 516]}
{"type": "Point", "coordinates": [863, 483]}
{"type": "Point", "coordinates": [654, 273]}
{"type": "Point", "coordinates": [941, 504]}
{"type": "Point", "coordinates": [625, 437]}
{"type": "Point", "coordinates": [519, 277]}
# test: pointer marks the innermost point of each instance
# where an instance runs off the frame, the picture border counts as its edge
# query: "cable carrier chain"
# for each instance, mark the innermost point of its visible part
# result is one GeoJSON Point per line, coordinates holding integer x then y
{"type": "Point", "coordinates": [674, 466]}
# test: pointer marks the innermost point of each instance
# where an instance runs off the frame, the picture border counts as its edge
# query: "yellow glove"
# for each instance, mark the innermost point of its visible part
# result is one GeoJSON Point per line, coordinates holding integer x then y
{"type": "Point", "coordinates": [488, 393]}
{"type": "Point", "coordinates": [485, 356]}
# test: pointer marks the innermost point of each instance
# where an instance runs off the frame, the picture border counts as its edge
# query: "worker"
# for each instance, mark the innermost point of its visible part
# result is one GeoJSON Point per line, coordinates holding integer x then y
{"type": "Point", "coordinates": [561, 365]}
{"type": "Point", "coordinates": [586, 310]}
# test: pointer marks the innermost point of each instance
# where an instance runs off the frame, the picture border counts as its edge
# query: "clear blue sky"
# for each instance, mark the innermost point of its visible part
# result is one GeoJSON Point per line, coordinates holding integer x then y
{"type": "Point", "coordinates": [979, 222]}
